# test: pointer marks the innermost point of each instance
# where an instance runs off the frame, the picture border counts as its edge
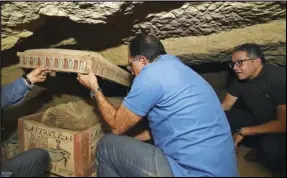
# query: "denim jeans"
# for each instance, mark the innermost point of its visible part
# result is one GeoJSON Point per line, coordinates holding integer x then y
{"type": "Point", "coordinates": [123, 156]}
{"type": "Point", "coordinates": [31, 163]}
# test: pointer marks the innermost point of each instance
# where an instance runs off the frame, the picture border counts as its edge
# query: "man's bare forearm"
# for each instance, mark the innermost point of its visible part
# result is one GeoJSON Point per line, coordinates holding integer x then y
{"type": "Point", "coordinates": [228, 102]}
{"type": "Point", "coordinates": [275, 126]}
{"type": "Point", "coordinates": [270, 127]}
{"type": "Point", "coordinates": [107, 109]}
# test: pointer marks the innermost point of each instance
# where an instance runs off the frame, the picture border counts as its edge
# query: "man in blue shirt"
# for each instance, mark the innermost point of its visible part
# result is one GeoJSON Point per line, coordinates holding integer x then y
{"type": "Point", "coordinates": [188, 125]}
{"type": "Point", "coordinates": [34, 162]}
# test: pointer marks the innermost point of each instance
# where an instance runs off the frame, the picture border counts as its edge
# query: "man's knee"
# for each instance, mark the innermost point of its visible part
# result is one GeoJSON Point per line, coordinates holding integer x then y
{"type": "Point", "coordinates": [39, 152]}
{"type": "Point", "coordinates": [111, 142]}
{"type": "Point", "coordinates": [107, 141]}
{"type": "Point", "coordinates": [105, 145]}
{"type": "Point", "coordinates": [39, 155]}
{"type": "Point", "coordinates": [273, 144]}
{"type": "Point", "coordinates": [273, 151]}
{"type": "Point", "coordinates": [30, 163]}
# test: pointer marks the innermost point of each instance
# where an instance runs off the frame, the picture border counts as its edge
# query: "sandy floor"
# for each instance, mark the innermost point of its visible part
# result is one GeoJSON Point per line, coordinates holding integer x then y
{"type": "Point", "coordinates": [250, 169]}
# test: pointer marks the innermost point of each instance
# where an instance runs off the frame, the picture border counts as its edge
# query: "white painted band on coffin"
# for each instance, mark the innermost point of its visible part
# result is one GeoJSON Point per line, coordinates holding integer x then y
{"type": "Point", "coordinates": [85, 61]}
{"type": "Point", "coordinates": [71, 64]}
{"type": "Point", "coordinates": [43, 61]}
{"type": "Point", "coordinates": [80, 68]}
{"type": "Point", "coordinates": [26, 62]}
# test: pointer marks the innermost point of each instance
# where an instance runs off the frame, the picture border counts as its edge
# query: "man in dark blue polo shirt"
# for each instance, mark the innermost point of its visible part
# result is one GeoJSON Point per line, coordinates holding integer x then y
{"type": "Point", "coordinates": [262, 88]}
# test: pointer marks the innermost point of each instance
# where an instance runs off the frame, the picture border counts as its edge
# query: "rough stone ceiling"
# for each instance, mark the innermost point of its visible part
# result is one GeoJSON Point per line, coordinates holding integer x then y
{"type": "Point", "coordinates": [196, 31]}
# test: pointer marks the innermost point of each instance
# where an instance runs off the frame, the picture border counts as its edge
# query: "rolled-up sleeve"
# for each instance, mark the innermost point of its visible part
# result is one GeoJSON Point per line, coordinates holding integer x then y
{"type": "Point", "coordinates": [144, 94]}
{"type": "Point", "coordinates": [13, 93]}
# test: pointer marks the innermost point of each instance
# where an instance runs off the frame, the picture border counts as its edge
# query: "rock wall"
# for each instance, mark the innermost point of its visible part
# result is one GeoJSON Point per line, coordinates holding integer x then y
{"type": "Point", "coordinates": [200, 33]}
{"type": "Point", "coordinates": [217, 47]}
{"type": "Point", "coordinates": [163, 19]}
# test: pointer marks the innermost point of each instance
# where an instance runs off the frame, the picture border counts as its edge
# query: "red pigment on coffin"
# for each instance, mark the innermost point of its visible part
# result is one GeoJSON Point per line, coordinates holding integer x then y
{"type": "Point", "coordinates": [39, 61]}
{"type": "Point", "coordinates": [56, 63]}
{"type": "Point", "coordinates": [66, 66]}
{"type": "Point", "coordinates": [75, 65]}
{"type": "Point", "coordinates": [47, 62]}
{"type": "Point", "coordinates": [31, 61]}
{"type": "Point", "coordinates": [24, 60]}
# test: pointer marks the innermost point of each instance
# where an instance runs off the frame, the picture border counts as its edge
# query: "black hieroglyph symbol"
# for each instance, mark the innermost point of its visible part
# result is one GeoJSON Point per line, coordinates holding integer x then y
{"type": "Point", "coordinates": [59, 154]}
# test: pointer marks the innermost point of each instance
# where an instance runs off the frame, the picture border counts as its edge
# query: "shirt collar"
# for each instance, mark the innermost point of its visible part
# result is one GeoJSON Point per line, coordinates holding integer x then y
{"type": "Point", "coordinates": [263, 72]}
{"type": "Point", "coordinates": [260, 75]}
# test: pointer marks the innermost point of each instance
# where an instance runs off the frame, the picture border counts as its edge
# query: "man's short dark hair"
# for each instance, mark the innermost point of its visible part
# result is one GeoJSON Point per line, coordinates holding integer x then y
{"type": "Point", "coordinates": [146, 45]}
{"type": "Point", "coordinates": [253, 51]}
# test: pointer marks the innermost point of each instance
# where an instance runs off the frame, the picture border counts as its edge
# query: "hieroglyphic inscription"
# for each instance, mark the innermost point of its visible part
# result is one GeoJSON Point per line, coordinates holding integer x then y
{"type": "Point", "coordinates": [75, 61]}
{"type": "Point", "coordinates": [59, 144]}
{"type": "Point", "coordinates": [50, 133]}
{"type": "Point", "coordinates": [70, 153]}
{"type": "Point", "coordinates": [56, 63]}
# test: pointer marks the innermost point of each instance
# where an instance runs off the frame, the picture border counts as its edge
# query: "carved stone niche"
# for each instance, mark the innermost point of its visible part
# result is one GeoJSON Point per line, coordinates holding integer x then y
{"type": "Point", "coordinates": [64, 60]}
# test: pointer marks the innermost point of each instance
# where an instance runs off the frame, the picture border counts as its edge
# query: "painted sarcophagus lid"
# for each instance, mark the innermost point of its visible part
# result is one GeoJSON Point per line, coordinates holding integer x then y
{"type": "Point", "coordinates": [65, 60]}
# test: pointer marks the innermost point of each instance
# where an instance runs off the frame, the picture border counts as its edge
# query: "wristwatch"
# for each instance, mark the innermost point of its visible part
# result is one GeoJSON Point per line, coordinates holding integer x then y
{"type": "Point", "coordinates": [93, 92]}
{"type": "Point", "coordinates": [239, 132]}
{"type": "Point", "coordinates": [27, 81]}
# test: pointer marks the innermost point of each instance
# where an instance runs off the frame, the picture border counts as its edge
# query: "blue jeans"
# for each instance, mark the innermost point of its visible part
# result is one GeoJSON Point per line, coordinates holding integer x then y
{"type": "Point", "coordinates": [123, 156]}
{"type": "Point", "coordinates": [31, 163]}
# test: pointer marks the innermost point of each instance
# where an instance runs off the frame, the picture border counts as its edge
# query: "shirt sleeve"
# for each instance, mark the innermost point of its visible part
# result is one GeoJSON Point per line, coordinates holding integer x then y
{"type": "Point", "coordinates": [13, 93]}
{"type": "Point", "coordinates": [233, 89]}
{"type": "Point", "coordinates": [277, 82]}
{"type": "Point", "coordinates": [144, 94]}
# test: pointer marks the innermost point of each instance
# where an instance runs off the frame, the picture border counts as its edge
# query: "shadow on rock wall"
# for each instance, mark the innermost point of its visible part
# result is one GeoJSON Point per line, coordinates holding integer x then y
{"type": "Point", "coordinates": [87, 36]}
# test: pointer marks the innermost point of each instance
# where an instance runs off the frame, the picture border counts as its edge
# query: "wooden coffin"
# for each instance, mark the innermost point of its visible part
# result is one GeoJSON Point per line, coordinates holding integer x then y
{"type": "Point", "coordinates": [64, 60]}
{"type": "Point", "coordinates": [72, 153]}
